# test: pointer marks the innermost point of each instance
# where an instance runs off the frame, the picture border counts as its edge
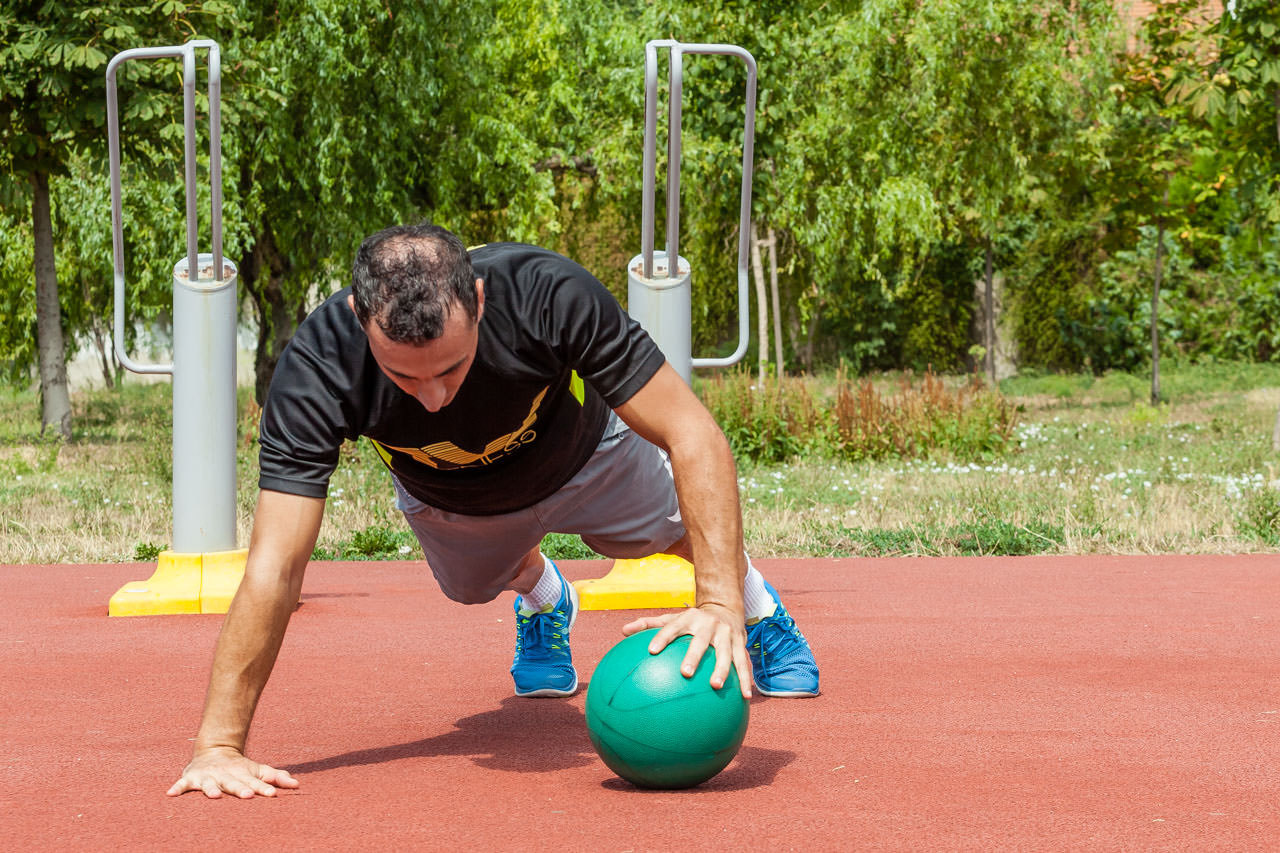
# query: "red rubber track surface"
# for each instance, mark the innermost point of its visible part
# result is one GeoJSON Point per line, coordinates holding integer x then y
{"type": "Point", "coordinates": [1100, 703]}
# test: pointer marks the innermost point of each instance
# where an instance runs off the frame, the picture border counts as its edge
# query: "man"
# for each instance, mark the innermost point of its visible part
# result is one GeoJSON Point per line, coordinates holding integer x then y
{"type": "Point", "coordinates": [509, 396]}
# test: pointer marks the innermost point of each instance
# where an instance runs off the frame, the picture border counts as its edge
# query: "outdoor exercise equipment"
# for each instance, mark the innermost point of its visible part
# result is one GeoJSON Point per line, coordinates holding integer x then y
{"type": "Point", "coordinates": [203, 568]}
{"type": "Point", "coordinates": [201, 571]}
{"type": "Point", "coordinates": [659, 298]}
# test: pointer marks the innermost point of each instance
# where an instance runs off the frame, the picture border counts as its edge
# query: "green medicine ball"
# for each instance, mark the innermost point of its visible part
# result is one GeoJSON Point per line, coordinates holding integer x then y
{"type": "Point", "coordinates": [654, 727]}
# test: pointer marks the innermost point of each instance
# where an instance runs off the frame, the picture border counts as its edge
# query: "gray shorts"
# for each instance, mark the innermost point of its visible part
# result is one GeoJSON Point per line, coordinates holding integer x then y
{"type": "Point", "coordinates": [622, 503]}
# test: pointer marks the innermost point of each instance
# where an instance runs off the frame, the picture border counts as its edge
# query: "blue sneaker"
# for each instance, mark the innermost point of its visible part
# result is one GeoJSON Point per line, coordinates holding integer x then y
{"type": "Point", "coordinates": [782, 663]}
{"type": "Point", "coordinates": [543, 664]}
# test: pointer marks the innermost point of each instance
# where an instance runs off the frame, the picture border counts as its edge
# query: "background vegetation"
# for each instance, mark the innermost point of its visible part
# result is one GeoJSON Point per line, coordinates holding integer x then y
{"type": "Point", "coordinates": [906, 154]}
{"type": "Point", "coordinates": [1076, 464]}
{"type": "Point", "coordinates": [1000, 185]}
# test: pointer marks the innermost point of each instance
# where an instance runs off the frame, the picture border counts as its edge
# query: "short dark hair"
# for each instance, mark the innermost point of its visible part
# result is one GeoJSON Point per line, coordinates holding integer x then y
{"type": "Point", "coordinates": [408, 278]}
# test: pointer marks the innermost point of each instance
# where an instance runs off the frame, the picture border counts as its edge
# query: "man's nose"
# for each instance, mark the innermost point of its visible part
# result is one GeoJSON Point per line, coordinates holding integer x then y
{"type": "Point", "coordinates": [431, 395]}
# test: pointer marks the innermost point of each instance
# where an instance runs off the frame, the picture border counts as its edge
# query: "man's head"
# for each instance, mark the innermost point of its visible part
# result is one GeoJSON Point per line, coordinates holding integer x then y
{"type": "Point", "coordinates": [409, 279]}
{"type": "Point", "coordinates": [419, 301]}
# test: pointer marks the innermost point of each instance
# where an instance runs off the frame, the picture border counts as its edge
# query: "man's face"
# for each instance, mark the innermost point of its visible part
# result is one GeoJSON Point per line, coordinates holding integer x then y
{"type": "Point", "coordinates": [432, 372]}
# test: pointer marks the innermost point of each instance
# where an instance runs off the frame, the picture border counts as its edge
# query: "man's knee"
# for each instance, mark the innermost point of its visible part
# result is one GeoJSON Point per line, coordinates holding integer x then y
{"type": "Point", "coordinates": [471, 596]}
{"type": "Point", "coordinates": [456, 589]}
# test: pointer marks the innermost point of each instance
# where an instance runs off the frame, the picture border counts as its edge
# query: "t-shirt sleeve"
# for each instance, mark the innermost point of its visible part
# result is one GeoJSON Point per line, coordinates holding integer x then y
{"type": "Point", "coordinates": [302, 427]}
{"type": "Point", "coordinates": [601, 341]}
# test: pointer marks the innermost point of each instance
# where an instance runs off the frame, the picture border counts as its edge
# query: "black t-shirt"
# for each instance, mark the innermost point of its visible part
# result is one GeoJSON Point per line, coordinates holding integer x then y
{"type": "Point", "coordinates": [555, 353]}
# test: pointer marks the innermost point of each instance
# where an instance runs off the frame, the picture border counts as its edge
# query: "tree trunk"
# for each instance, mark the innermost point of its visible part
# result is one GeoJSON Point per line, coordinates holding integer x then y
{"type": "Point", "coordinates": [989, 310]}
{"type": "Point", "coordinates": [1155, 305]}
{"type": "Point", "coordinates": [263, 272]}
{"type": "Point", "coordinates": [780, 365]}
{"type": "Point", "coordinates": [762, 305]}
{"type": "Point", "coordinates": [55, 397]}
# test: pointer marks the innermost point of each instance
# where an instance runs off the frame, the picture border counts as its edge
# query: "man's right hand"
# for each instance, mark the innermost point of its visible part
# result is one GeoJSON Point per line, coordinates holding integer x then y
{"type": "Point", "coordinates": [223, 769]}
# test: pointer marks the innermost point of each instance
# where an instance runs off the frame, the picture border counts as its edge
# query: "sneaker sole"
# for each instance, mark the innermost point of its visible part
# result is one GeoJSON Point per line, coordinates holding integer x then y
{"type": "Point", "coordinates": [786, 694]}
{"type": "Point", "coordinates": [550, 692]}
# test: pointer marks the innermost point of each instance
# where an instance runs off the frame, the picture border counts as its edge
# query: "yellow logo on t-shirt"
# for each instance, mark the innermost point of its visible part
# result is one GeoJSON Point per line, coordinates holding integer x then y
{"type": "Point", "coordinates": [445, 455]}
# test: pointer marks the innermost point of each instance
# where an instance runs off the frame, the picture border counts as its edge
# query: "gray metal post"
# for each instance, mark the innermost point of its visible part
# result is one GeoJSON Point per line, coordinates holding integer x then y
{"type": "Point", "coordinates": [204, 325]}
{"type": "Point", "coordinates": [659, 293]}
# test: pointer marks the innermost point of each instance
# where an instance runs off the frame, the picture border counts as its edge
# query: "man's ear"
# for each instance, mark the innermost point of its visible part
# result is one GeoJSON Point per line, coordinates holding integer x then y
{"type": "Point", "coordinates": [479, 299]}
{"type": "Point", "coordinates": [351, 303]}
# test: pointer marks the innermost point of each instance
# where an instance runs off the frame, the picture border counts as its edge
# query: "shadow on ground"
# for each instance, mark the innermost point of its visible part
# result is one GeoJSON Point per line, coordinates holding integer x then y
{"type": "Point", "coordinates": [537, 736]}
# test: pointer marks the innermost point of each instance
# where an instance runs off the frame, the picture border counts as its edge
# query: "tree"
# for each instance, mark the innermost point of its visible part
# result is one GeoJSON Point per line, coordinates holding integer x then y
{"type": "Point", "coordinates": [1158, 138]}
{"type": "Point", "coordinates": [52, 106]}
{"type": "Point", "coordinates": [360, 115]}
{"type": "Point", "coordinates": [937, 127]}
{"type": "Point", "coordinates": [1008, 83]}
{"type": "Point", "coordinates": [1238, 85]}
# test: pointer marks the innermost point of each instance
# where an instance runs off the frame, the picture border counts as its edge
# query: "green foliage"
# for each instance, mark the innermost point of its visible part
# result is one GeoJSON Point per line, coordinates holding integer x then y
{"type": "Point", "coordinates": [52, 118]}
{"type": "Point", "coordinates": [565, 546]}
{"type": "Point", "coordinates": [883, 174]}
{"type": "Point", "coordinates": [778, 421]}
{"type": "Point", "coordinates": [17, 302]}
{"type": "Point", "coordinates": [1230, 313]}
{"type": "Point", "coordinates": [147, 552]}
{"type": "Point", "coordinates": [375, 542]}
{"type": "Point", "coordinates": [769, 422]}
{"type": "Point", "coordinates": [937, 310]}
{"type": "Point", "coordinates": [925, 420]}
{"type": "Point", "coordinates": [1052, 296]}
{"type": "Point", "coordinates": [1261, 515]}
{"type": "Point", "coordinates": [988, 538]}
{"type": "Point", "coordinates": [1236, 85]}
{"type": "Point", "coordinates": [52, 57]}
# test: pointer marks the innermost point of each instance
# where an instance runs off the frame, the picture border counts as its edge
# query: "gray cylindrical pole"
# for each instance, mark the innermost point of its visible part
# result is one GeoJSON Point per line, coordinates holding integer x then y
{"type": "Point", "coordinates": [204, 408]}
{"type": "Point", "coordinates": [662, 305]}
{"type": "Point", "coordinates": [204, 326]}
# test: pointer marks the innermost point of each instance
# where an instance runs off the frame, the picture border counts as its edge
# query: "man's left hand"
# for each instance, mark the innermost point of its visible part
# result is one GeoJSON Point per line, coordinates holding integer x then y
{"type": "Point", "coordinates": [707, 625]}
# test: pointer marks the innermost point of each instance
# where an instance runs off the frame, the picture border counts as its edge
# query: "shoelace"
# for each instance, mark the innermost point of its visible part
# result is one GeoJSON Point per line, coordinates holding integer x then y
{"type": "Point", "coordinates": [778, 623]}
{"type": "Point", "coordinates": [534, 631]}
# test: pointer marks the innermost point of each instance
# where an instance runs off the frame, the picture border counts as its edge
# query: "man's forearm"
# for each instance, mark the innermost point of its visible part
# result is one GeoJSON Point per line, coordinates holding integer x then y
{"type": "Point", "coordinates": [285, 528]}
{"type": "Point", "coordinates": [666, 412]}
{"type": "Point", "coordinates": [707, 486]}
{"type": "Point", "coordinates": [247, 648]}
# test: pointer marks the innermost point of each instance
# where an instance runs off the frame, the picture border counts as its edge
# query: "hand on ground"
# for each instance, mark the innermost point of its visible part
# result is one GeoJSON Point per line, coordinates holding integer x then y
{"type": "Point", "coordinates": [225, 770]}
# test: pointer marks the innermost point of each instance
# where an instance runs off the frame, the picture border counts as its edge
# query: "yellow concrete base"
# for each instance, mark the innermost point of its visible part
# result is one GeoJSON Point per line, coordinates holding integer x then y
{"type": "Point", "coordinates": [183, 583]}
{"type": "Point", "coordinates": [661, 581]}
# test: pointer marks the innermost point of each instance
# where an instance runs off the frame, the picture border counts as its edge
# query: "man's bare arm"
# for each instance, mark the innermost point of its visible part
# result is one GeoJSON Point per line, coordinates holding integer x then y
{"type": "Point", "coordinates": [285, 528]}
{"type": "Point", "coordinates": [667, 412]}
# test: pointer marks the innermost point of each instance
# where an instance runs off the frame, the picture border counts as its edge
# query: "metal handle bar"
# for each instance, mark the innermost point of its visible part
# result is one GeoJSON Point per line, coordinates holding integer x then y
{"type": "Point", "coordinates": [675, 85]}
{"type": "Point", "coordinates": [187, 53]}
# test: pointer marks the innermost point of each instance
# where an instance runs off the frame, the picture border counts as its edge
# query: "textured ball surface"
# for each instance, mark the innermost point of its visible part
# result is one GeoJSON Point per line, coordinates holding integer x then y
{"type": "Point", "coordinates": [654, 727]}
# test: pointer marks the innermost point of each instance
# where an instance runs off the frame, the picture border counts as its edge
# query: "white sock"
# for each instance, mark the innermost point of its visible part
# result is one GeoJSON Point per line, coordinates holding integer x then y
{"type": "Point", "coordinates": [546, 592]}
{"type": "Point", "coordinates": [756, 599]}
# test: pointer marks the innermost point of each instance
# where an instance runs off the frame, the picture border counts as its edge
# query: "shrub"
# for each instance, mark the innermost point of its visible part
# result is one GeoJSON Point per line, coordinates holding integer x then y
{"type": "Point", "coordinates": [922, 420]}
{"type": "Point", "coordinates": [566, 546]}
{"type": "Point", "coordinates": [779, 420]}
{"type": "Point", "coordinates": [146, 552]}
{"type": "Point", "coordinates": [1261, 517]}
{"type": "Point", "coordinates": [376, 542]}
{"type": "Point", "coordinates": [770, 422]}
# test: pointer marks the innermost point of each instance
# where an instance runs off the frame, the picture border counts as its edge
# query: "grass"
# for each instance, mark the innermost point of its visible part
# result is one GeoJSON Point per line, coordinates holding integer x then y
{"type": "Point", "coordinates": [1089, 467]}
